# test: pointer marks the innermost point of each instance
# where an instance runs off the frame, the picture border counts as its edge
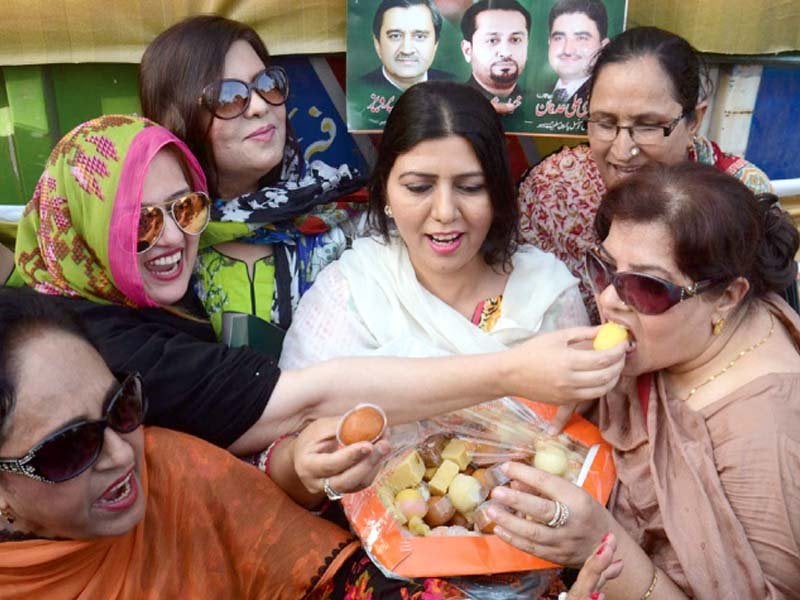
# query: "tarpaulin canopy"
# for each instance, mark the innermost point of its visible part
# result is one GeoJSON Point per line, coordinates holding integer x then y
{"type": "Point", "coordinates": [72, 31]}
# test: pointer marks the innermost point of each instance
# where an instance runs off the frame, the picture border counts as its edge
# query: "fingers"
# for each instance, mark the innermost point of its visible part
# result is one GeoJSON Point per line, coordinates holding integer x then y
{"type": "Point", "coordinates": [599, 568]}
{"type": "Point", "coordinates": [351, 468]}
{"type": "Point", "coordinates": [552, 487]}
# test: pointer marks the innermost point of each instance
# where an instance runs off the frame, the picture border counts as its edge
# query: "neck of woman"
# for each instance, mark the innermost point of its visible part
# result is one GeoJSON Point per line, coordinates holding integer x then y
{"type": "Point", "coordinates": [228, 189]}
{"type": "Point", "coordinates": [725, 363]}
{"type": "Point", "coordinates": [464, 289]}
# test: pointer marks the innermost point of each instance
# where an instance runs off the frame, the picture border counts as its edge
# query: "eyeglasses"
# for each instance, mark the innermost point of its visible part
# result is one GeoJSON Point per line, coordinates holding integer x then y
{"type": "Point", "coordinates": [643, 135]}
{"type": "Point", "coordinates": [229, 98]}
{"type": "Point", "coordinates": [190, 212]}
{"type": "Point", "coordinates": [72, 450]}
{"type": "Point", "coordinates": [644, 293]}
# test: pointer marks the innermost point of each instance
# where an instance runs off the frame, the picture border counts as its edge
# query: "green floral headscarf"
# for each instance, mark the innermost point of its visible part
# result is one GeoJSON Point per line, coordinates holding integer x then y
{"type": "Point", "coordinates": [77, 236]}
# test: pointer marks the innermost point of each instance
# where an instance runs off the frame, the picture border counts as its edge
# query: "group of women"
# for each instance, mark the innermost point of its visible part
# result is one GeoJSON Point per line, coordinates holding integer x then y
{"type": "Point", "coordinates": [142, 232]}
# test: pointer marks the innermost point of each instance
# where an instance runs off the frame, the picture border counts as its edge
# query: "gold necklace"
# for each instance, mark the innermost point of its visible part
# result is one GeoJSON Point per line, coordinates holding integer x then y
{"type": "Point", "coordinates": [747, 350]}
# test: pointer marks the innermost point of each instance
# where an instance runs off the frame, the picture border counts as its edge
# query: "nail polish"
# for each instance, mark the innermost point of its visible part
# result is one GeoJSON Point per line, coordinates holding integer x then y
{"type": "Point", "coordinates": [601, 549]}
{"type": "Point", "coordinates": [605, 538]}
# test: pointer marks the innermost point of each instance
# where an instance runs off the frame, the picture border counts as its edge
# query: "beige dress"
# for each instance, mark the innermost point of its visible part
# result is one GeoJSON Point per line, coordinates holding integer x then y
{"type": "Point", "coordinates": [713, 496]}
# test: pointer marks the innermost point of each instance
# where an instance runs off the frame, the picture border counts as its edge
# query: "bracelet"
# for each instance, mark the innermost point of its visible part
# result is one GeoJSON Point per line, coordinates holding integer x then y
{"type": "Point", "coordinates": [272, 446]}
{"type": "Point", "coordinates": [653, 583]}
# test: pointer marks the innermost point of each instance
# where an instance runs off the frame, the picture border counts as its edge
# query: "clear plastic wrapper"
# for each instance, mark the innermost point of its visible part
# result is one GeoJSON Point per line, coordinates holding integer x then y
{"type": "Point", "coordinates": [451, 460]}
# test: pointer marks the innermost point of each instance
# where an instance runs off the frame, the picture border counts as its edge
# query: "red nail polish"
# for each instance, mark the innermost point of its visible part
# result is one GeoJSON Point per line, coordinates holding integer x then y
{"type": "Point", "coordinates": [601, 549]}
{"type": "Point", "coordinates": [605, 537]}
{"type": "Point", "coordinates": [594, 596]}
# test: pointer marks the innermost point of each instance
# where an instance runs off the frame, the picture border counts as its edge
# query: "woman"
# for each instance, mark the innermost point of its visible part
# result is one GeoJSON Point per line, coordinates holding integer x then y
{"type": "Point", "coordinates": [647, 100]}
{"type": "Point", "coordinates": [705, 423]}
{"type": "Point", "coordinates": [443, 274]}
{"type": "Point", "coordinates": [198, 80]}
{"type": "Point", "coordinates": [446, 277]}
{"type": "Point", "coordinates": [98, 508]}
{"type": "Point", "coordinates": [113, 227]}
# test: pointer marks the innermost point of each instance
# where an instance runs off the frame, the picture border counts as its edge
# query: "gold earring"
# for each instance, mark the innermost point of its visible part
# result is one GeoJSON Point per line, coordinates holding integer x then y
{"type": "Point", "coordinates": [387, 210]}
{"type": "Point", "coordinates": [718, 326]}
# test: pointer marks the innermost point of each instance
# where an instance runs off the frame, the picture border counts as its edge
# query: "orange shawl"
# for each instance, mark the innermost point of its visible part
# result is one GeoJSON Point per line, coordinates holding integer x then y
{"type": "Point", "coordinates": [708, 494]}
{"type": "Point", "coordinates": [214, 528]}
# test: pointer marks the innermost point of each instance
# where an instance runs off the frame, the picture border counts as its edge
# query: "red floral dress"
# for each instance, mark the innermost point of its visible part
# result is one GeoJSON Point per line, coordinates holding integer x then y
{"type": "Point", "coordinates": [559, 198]}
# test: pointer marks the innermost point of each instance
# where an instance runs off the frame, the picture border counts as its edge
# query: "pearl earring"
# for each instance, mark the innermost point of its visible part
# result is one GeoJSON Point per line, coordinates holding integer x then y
{"type": "Point", "coordinates": [387, 210]}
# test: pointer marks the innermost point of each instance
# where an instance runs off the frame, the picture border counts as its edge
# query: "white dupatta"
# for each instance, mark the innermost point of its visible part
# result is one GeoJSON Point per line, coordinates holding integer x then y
{"type": "Point", "coordinates": [370, 302]}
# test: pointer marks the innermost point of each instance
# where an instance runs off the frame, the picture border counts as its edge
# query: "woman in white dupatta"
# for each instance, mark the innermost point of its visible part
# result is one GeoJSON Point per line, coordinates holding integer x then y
{"type": "Point", "coordinates": [443, 274]}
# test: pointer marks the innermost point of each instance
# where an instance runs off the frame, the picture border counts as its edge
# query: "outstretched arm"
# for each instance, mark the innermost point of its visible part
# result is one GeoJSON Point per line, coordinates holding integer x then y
{"type": "Point", "coordinates": [547, 368]}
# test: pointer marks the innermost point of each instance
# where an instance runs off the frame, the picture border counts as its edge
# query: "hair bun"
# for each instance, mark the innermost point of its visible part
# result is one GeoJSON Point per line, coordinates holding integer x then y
{"type": "Point", "coordinates": [775, 267]}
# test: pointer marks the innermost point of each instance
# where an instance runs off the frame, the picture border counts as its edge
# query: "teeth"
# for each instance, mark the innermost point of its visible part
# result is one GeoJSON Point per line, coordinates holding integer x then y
{"type": "Point", "coordinates": [445, 238]}
{"type": "Point", "coordinates": [165, 261]}
{"type": "Point", "coordinates": [120, 490]}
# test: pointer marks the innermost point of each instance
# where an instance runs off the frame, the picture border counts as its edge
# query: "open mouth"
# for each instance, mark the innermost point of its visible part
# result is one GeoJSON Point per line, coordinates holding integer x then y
{"type": "Point", "coordinates": [166, 266]}
{"type": "Point", "coordinates": [119, 495]}
{"type": "Point", "coordinates": [445, 242]}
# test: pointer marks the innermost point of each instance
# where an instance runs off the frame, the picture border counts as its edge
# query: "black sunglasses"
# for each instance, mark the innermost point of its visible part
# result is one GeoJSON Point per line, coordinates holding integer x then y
{"type": "Point", "coordinates": [191, 213]}
{"type": "Point", "coordinates": [71, 450]}
{"type": "Point", "coordinates": [644, 293]}
{"type": "Point", "coordinates": [229, 98]}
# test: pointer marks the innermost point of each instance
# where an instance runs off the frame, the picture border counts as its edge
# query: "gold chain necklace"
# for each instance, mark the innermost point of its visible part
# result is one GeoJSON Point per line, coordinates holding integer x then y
{"type": "Point", "coordinates": [747, 350]}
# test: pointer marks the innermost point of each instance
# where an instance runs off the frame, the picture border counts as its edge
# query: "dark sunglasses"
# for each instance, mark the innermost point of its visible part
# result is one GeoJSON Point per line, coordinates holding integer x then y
{"type": "Point", "coordinates": [229, 98]}
{"type": "Point", "coordinates": [190, 212]}
{"type": "Point", "coordinates": [644, 293]}
{"type": "Point", "coordinates": [71, 450]}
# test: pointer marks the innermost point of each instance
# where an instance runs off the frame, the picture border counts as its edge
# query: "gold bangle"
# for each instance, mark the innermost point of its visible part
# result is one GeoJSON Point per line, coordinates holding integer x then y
{"type": "Point", "coordinates": [653, 583]}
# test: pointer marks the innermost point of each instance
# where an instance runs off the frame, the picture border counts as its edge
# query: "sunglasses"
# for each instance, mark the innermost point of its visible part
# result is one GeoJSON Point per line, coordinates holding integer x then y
{"type": "Point", "coordinates": [73, 449]}
{"type": "Point", "coordinates": [646, 294]}
{"type": "Point", "coordinates": [190, 212]}
{"type": "Point", "coordinates": [229, 98]}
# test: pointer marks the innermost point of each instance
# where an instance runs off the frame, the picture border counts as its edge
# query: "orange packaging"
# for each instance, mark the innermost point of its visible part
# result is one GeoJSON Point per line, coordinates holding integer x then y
{"type": "Point", "coordinates": [404, 555]}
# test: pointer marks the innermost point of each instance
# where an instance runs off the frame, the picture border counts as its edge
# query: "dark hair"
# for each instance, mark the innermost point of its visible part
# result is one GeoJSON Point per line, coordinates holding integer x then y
{"type": "Point", "coordinates": [468, 20]}
{"type": "Point", "coordinates": [175, 68]}
{"type": "Point", "coordinates": [594, 9]}
{"type": "Point", "coordinates": [438, 109]}
{"type": "Point", "coordinates": [720, 229]}
{"type": "Point", "coordinates": [681, 63]}
{"type": "Point", "coordinates": [24, 314]}
{"type": "Point", "coordinates": [377, 20]}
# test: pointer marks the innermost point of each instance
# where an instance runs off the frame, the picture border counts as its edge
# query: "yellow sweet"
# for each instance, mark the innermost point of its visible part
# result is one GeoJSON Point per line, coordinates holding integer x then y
{"type": "Point", "coordinates": [418, 527]}
{"type": "Point", "coordinates": [466, 492]}
{"type": "Point", "coordinates": [408, 473]}
{"type": "Point", "coordinates": [457, 451]}
{"type": "Point", "coordinates": [444, 475]}
{"type": "Point", "coordinates": [609, 335]}
{"type": "Point", "coordinates": [552, 458]}
{"type": "Point", "coordinates": [411, 503]}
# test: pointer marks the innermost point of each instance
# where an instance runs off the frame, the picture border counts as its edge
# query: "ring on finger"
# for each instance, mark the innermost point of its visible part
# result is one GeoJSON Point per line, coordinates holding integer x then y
{"type": "Point", "coordinates": [332, 494]}
{"type": "Point", "coordinates": [560, 515]}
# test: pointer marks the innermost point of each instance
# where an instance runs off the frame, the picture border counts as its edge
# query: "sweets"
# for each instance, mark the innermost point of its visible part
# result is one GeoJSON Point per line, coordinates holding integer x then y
{"type": "Point", "coordinates": [439, 488]}
{"type": "Point", "coordinates": [364, 423]}
{"type": "Point", "coordinates": [609, 335]}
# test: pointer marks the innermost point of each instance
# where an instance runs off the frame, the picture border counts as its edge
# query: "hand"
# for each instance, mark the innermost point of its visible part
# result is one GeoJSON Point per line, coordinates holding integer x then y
{"type": "Point", "coordinates": [572, 372]}
{"type": "Point", "coordinates": [599, 568]}
{"type": "Point", "coordinates": [317, 457]}
{"type": "Point", "coordinates": [531, 498]}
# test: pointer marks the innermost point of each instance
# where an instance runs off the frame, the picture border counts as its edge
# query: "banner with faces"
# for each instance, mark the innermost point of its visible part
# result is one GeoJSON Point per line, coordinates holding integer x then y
{"type": "Point", "coordinates": [530, 58]}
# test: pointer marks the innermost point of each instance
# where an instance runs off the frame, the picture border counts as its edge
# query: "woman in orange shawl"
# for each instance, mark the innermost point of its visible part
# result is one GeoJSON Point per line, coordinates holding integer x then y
{"type": "Point", "coordinates": [134, 514]}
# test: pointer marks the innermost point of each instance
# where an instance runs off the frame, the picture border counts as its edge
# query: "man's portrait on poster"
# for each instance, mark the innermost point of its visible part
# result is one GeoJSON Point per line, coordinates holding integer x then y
{"type": "Point", "coordinates": [577, 31]}
{"type": "Point", "coordinates": [495, 45]}
{"type": "Point", "coordinates": [405, 36]}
